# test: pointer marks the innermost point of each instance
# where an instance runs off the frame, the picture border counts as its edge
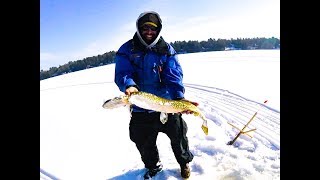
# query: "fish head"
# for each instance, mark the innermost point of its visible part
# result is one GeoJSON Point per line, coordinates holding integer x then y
{"type": "Point", "coordinates": [116, 102]}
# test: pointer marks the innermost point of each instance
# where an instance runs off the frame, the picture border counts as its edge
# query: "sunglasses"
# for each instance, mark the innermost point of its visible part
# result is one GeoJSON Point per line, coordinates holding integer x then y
{"type": "Point", "coordinates": [146, 28]}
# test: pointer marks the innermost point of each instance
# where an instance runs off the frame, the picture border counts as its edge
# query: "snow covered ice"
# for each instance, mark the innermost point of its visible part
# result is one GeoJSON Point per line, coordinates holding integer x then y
{"type": "Point", "coordinates": [80, 140]}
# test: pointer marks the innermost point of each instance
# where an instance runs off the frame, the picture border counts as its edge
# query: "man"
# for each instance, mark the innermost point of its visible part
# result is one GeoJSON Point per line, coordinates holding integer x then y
{"type": "Point", "coordinates": [148, 63]}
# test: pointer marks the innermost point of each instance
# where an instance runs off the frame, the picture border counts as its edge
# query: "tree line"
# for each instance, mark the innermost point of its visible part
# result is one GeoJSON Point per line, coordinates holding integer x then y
{"type": "Point", "coordinates": [180, 46]}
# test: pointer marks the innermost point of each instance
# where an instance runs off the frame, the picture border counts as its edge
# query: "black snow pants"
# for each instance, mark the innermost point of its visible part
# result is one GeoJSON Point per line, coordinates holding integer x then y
{"type": "Point", "coordinates": [144, 128]}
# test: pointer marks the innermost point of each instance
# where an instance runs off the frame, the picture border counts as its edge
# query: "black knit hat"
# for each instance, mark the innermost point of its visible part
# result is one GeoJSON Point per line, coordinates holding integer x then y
{"type": "Point", "coordinates": [149, 18]}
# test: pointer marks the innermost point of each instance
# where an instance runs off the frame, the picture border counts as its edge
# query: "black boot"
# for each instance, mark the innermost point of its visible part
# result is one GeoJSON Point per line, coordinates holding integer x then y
{"type": "Point", "coordinates": [153, 171]}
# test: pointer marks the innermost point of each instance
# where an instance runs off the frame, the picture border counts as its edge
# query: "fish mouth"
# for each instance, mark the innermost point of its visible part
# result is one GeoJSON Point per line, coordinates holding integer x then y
{"type": "Point", "coordinates": [105, 104]}
{"type": "Point", "coordinates": [108, 101]}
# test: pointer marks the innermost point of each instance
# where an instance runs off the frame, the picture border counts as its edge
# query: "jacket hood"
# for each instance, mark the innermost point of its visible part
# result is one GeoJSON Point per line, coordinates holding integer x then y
{"type": "Point", "coordinates": [149, 16]}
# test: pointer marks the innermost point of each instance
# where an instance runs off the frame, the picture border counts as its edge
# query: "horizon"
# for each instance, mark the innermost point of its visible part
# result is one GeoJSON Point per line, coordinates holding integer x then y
{"type": "Point", "coordinates": [169, 43]}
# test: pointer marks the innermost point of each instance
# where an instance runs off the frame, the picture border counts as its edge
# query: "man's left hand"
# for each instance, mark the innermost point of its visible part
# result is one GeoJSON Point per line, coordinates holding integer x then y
{"type": "Point", "coordinates": [187, 111]}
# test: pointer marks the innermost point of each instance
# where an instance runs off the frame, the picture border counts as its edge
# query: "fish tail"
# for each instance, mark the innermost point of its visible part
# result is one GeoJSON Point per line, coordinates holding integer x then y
{"type": "Point", "coordinates": [204, 125]}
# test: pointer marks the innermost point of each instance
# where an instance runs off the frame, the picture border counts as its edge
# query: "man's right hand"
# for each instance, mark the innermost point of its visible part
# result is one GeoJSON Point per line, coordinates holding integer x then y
{"type": "Point", "coordinates": [130, 90]}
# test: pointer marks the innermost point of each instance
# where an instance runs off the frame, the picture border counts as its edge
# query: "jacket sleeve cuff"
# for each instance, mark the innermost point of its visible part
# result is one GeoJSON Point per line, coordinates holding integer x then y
{"type": "Point", "coordinates": [136, 86]}
{"type": "Point", "coordinates": [178, 95]}
{"type": "Point", "coordinates": [128, 83]}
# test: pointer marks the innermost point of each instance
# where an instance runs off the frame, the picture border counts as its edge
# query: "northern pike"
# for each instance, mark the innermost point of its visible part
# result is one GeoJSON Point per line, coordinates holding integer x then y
{"type": "Point", "coordinates": [150, 101]}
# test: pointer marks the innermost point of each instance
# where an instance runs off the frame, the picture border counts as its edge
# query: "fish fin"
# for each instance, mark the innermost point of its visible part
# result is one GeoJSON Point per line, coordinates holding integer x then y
{"type": "Point", "coordinates": [163, 117]}
{"type": "Point", "coordinates": [204, 126]}
{"type": "Point", "coordinates": [205, 129]}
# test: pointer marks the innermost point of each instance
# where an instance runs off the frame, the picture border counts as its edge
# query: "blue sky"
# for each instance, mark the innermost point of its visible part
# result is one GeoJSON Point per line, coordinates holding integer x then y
{"type": "Point", "coordinates": [71, 30]}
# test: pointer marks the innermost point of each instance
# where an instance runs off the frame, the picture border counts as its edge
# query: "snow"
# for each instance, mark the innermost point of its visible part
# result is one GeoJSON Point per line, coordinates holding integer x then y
{"type": "Point", "coordinates": [80, 140]}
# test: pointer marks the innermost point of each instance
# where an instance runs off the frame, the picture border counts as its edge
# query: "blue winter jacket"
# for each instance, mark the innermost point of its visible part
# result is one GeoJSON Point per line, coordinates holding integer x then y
{"type": "Point", "coordinates": [150, 71]}
{"type": "Point", "coordinates": [151, 67]}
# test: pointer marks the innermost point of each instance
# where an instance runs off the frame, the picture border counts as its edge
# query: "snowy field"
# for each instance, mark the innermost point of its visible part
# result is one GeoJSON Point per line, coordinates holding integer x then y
{"type": "Point", "coordinates": [79, 140]}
